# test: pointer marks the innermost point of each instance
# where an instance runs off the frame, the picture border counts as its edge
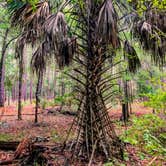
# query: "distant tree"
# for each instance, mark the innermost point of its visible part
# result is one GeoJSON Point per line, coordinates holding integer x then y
{"type": "Point", "coordinates": [7, 39]}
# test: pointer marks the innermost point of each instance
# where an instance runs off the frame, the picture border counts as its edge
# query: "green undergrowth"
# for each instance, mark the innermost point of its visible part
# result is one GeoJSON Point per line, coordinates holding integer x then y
{"type": "Point", "coordinates": [148, 134]}
{"type": "Point", "coordinates": [6, 137]}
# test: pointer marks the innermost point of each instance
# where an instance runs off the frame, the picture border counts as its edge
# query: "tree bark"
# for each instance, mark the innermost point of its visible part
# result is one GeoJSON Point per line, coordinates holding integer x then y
{"type": "Point", "coordinates": [38, 94]}
{"type": "Point", "coordinates": [125, 102]}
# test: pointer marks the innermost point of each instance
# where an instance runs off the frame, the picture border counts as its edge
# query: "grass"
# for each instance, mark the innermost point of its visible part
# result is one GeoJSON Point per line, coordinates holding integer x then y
{"type": "Point", "coordinates": [6, 137]}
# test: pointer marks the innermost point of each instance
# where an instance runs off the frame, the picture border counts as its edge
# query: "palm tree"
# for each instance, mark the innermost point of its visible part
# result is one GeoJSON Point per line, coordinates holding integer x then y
{"type": "Point", "coordinates": [92, 32]}
{"type": "Point", "coordinates": [30, 21]}
{"type": "Point", "coordinates": [95, 32]}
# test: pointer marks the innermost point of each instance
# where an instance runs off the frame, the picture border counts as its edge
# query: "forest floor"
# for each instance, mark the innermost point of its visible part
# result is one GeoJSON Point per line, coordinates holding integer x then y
{"type": "Point", "coordinates": [53, 127]}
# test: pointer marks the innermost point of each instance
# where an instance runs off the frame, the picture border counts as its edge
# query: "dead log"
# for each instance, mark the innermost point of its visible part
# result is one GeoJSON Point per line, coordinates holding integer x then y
{"type": "Point", "coordinates": [26, 152]}
{"type": "Point", "coordinates": [8, 145]}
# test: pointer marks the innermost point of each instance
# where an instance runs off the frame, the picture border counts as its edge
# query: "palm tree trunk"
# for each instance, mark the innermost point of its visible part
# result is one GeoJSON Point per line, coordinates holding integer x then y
{"type": "Point", "coordinates": [38, 93]}
{"type": "Point", "coordinates": [95, 129]}
{"type": "Point", "coordinates": [2, 69]}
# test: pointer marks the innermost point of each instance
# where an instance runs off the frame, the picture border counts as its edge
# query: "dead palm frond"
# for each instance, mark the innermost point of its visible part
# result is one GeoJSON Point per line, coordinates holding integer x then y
{"type": "Point", "coordinates": [131, 57]}
{"type": "Point", "coordinates": [40, 58]}
{"type": "Point", "coordinates": [55, 29]}
{"type": "Point", "coordinates": [31, 19]}
{"type": "Point", "coordinates": [63, 47]}
{"type": "Point", "coordinates": [20, 44]}
{"type": "Point", "coordinates": [152, 34]}
{"type": "Point", "coordinates": [107, 24]}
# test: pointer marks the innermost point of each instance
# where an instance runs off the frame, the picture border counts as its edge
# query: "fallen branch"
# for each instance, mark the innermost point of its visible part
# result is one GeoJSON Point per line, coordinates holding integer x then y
{"type": "Point", "coordinates": [152, 161]}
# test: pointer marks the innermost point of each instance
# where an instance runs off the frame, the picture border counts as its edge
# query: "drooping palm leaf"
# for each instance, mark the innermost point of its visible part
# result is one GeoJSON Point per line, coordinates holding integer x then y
{"type": "Point", "coordinates": [20, 44]}
{"type": "Point", "coordinates": [131, 57]}
{"type": "Point", "coordinates": [55, 29]}
{"type": "Point", "coordinates": [40, 58]}
{"type": "Point", "coordinates": [31, 20]}
{"type": "Point", "coordinates": [63, 47]}
{"type": "Point", "coordinates": [152, 34]}
{"type": "Point", "coordinates": [107, 24]}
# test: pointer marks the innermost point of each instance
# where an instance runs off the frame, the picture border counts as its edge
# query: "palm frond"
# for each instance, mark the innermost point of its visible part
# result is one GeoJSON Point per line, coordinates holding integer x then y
{"type": "Point", "coordinates": [151, 33]}
{"type": "Point", "coordinates": [40, 58]}
{"type": "Point", "coordinates": [20, 44]}
{"type": "Point", "coordinates": [66, 51]}
{"type": "Point", "coordinates": [107, 24]}
{"type": "Point", "coordinates": [131, 57]}
{"type": "Point", "coordinates": [30, 19]}
{"type": "Point", "coordinates": [62, 46]}
{"type": "Point", "coordinates": [55, 28]}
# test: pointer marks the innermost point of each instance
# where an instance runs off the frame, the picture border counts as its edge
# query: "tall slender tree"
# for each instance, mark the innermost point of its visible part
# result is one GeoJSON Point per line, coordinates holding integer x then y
{"type": "Point", "coordinates": [30, 19]}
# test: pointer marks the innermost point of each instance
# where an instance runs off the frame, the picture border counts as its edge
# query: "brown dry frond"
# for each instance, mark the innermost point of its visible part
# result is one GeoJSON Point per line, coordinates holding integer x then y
{"type": "Point", "coordinates": [107, 24]}
{"type": "Point", "coordinates": [40, 58]}
{"type": "Point", "coordinates": [21, 41]}
{"type": "Point", "coordinates": [56, 37]}
{"type": "Point", "coordinates": [152, 34]}
{"type": "Point", "coordinates": [30, 20]}
{"type": "Point", "coordinates": [132, 58]}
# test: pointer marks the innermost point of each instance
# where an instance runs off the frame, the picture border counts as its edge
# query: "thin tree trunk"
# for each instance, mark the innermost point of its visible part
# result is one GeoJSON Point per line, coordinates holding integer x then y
{"type": "Point", "coordinates": [62, 93]}
{"type": "Point", "coordinates": [38, 94]}
{"type": "Point", "coordinates": [8, 98]}
{"type": "Point", "coordinates": [21, 72]}
{"type": "Point", "coordinates": [2, 69]}
{"type": "Point", "coordinates": [125, 103]}
{"type": "Point", "coordinates": [30, 92]}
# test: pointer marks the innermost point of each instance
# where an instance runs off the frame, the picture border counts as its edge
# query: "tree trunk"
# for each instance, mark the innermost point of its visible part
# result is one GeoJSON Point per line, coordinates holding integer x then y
{"type": "Point", "coordinates": [38, 94]}
{"type": "Point", "coordinates": [21, 72]}
{"type": "Point", "coordinates": [2, 69]}
{"type": "Point", "coordinates": [125, 102]}
{"type": "Point", "coordinates": [31, 92]}
{"type": "Point", "coordinates": [62, 94]}
{"type": "Point", "coordinates": [8, 98]}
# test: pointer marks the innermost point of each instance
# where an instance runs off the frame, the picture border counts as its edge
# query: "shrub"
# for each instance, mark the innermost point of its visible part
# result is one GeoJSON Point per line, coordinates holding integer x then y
{"type": "Point", "coordinates": [147, 132]}
{"type": "Point", "coordinates": [157, 101]}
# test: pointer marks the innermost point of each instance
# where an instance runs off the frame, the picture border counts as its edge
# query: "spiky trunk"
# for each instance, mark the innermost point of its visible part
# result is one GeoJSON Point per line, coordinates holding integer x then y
{"type": "Point", "coordinates": [2, 69]}
{"type": "Point", "coordinates": [38, 93]}
{"type": "Point", "coordinates": [95, 132]}
{"type": "Point", "coordinates": [95, 129]}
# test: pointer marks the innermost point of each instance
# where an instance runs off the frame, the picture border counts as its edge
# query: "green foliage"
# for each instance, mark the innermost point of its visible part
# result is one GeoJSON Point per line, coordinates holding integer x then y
{"type": "Point", "coordinates": [16, 4]}
{"type": "Point", "coordinates": [149, 80]}
{"type": "Point", "coordinates": [142, 5]}
{"type": "Point", "coordinates": [143, 82]}
{"type": "Point", "coordinates": [45, 103]}
{"type": "Point", "coordinates": [66, 98]}
{"type": "Point", "coordinates": [146, 133]}
{"type": "Point", "coordinates": [157, 101]}
{"type": "Point", "coordinates": [5, 137]}
{"type": "Point", "coordinates": [55, 136]}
